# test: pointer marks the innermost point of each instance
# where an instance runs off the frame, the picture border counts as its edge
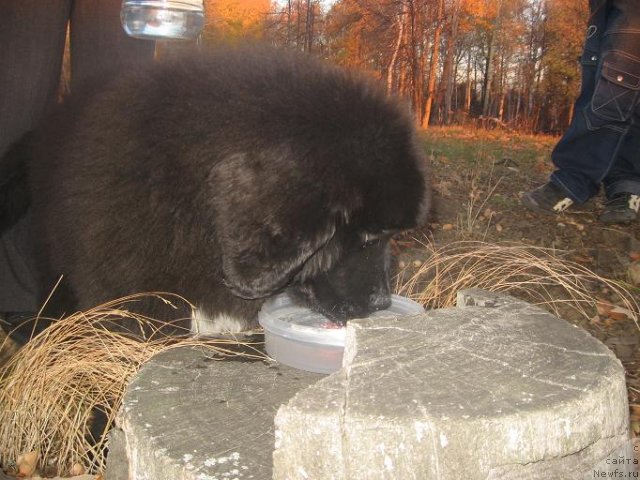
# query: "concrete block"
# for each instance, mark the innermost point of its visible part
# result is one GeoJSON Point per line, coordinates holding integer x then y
{"type": "Point", "coordinates": [189, 416]}
{"type": "Point", "coordinates": [499, 391]}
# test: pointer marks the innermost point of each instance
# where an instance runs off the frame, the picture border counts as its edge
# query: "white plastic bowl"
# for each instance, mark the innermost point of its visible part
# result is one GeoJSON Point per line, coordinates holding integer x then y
{"type": "Point", "coordinates": [304, 339]}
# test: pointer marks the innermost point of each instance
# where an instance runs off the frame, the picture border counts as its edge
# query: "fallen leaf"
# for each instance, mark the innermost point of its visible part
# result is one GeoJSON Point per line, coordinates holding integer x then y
{"type": "Point", "coordinates": [581, 259]}
{"type": "Point", "coordinates": [27, 464]}
{"type": "Point", "coordinates": [77, 469]}
{"type": "Point", "coordinates": [603, 308]}
{"type": "Point", "coordinates": [634, 272]}
{"type": "Point", "coordinates": [620, 313]}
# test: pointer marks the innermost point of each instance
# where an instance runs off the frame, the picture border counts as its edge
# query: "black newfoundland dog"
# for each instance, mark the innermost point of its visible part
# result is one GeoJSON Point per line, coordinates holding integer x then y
{"type": "Point", "coordinates": [226, 178]}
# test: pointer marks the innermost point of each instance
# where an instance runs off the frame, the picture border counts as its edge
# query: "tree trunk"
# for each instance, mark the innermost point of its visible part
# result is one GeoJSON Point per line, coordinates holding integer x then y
{"type": "Point", "coordinates": [501, 107]}
{"type": "Point", "coordinates": [488, 73]}
{"type": "Point", "coordinates": [417, 59]}
{"type": "Point", "coordinates": [488, 76]}
{"type": "Point", "coordinates": [467, 90]}
{"type": "Point", "coordinates": [431, 86]}
{"type": "Point", "coordinates": [308, 27]}
{"type": "Point", "coordinates": [394, 57]}
{"type": "Point", "coordinates": [289, 23]}
{"type": "Point", "coordinates": [448, 71]}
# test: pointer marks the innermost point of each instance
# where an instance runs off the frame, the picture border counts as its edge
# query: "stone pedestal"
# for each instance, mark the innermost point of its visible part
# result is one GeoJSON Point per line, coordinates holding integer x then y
{"type": "Point", "coordinates": [493, 389]}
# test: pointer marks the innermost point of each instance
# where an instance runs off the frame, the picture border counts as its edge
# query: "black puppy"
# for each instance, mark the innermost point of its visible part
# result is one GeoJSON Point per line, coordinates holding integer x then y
{"type": "Point", "coordinates": [226, 177]}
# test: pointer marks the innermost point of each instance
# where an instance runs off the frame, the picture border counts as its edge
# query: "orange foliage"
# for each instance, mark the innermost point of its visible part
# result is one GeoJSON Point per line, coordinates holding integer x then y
{"type": "Point", "coordinates": [512, 60]}
{"type": "Point", "coordinates": [232, 20]}
{"type": "Point", "coordinates": [478, 12]}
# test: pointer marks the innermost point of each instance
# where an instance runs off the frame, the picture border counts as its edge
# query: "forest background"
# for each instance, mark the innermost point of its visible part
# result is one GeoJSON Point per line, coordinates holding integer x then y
{"type": "Point", "coordinates": [507, 63]}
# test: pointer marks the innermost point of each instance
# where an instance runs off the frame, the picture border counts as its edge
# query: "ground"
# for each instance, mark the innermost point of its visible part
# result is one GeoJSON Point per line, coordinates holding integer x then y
{"type": "Point", "coordinates": [479, 177]}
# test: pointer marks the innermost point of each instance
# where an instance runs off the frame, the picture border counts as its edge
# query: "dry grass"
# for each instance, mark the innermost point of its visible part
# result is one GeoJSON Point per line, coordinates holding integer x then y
{"type": "Point", "coordinates": [50, 387]}
{"type": "Point", "coordinates": [468, 219]}
{"type": "Point", "coordinates": [535, 274]}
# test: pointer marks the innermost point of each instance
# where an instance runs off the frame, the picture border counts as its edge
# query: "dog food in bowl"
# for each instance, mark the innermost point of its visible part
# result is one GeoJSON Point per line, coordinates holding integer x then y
{"type": "Point", "coordinates": [304, 339]}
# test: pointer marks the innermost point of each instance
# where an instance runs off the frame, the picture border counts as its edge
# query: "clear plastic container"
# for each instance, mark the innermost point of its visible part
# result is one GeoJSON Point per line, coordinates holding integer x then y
{"type": "Point", "coordinates": [304, 339]}
{"type": "Point", "coordinates": [162, 19]}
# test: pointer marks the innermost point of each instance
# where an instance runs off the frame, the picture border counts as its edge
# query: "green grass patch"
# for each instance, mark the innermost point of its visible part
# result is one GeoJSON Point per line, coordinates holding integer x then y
{"type": "Point", "coordinates": [471, 146]}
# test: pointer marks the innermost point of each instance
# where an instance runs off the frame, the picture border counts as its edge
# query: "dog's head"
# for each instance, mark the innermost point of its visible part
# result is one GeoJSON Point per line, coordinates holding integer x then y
{"type": "Point", "coordinates": [346, 278]}
{"type": "Point", "coordinates": [313, 205]}
{"type": "Point", "coordinates": [324, 235]}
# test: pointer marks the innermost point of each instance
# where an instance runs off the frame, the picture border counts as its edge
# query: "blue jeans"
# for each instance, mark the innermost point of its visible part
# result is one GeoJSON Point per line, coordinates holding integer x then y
{"type": "Point", "coordinates": [602, 144]}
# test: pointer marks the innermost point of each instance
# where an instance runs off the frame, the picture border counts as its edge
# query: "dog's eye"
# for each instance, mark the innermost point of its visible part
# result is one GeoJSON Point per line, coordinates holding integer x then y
{"type": "Point", "coordinates": [369, 239]}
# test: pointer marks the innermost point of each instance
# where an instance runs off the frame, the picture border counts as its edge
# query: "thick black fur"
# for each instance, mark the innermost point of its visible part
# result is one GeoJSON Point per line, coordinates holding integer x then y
{"type": "Point", "coordinates": [226, 178]}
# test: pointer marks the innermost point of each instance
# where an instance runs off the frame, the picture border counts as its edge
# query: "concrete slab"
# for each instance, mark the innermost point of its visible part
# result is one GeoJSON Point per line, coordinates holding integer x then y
{"type": "Point", "coordinates": [188, 416]}
{"type": "Point", "coordinates": [499, 391]}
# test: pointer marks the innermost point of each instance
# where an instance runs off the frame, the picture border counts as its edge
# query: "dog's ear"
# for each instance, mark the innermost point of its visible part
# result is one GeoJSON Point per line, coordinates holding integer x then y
{"type": "Point", "coordinates": [269, 221]}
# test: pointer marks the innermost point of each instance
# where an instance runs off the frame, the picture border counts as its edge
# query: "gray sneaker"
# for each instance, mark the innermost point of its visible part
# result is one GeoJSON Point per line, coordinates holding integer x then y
{"type": "Point", "coordinates": [621, 208]}
{"type": "Point", "coordinates": [548, 199]}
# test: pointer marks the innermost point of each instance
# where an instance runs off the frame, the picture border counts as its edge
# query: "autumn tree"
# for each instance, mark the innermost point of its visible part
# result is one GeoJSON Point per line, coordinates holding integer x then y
{"type": "Point", "coordinates": [231, 21]}
{"type": "Point", "coordinates": [507, 62]}
{"type": "Point", "coordinates": [564, 27]}
{"type": "Point", "coordinates": [297, 24]}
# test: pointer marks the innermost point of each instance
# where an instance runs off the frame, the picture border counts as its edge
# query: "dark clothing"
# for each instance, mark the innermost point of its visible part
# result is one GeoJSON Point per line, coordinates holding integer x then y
{"type": "Point", "coordinates": [18, 285]}
{"type": "Point", "coordinates": [32, 41]}
{"type": "Point", "coordinates": [602, 144]}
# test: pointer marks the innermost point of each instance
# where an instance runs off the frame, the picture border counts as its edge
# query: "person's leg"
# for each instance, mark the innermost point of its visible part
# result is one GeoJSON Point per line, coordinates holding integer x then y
{"type": "Point", "coordinates": [569, 184]}
{"type": "Point", "coordinates": [32, 37]}
{"type": "Point", "coordinates": [98, 42]}
{"type": "Point", "coordinates": [587, 152]}
{"type": "Point", "coordinates": [604, 112]}
{"type": "Point", "coordinates": [622, 183]}
{"type": "Point", "coordinates": [624, 176]}
{"type": "Point", "coordinates": [621, 84]}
